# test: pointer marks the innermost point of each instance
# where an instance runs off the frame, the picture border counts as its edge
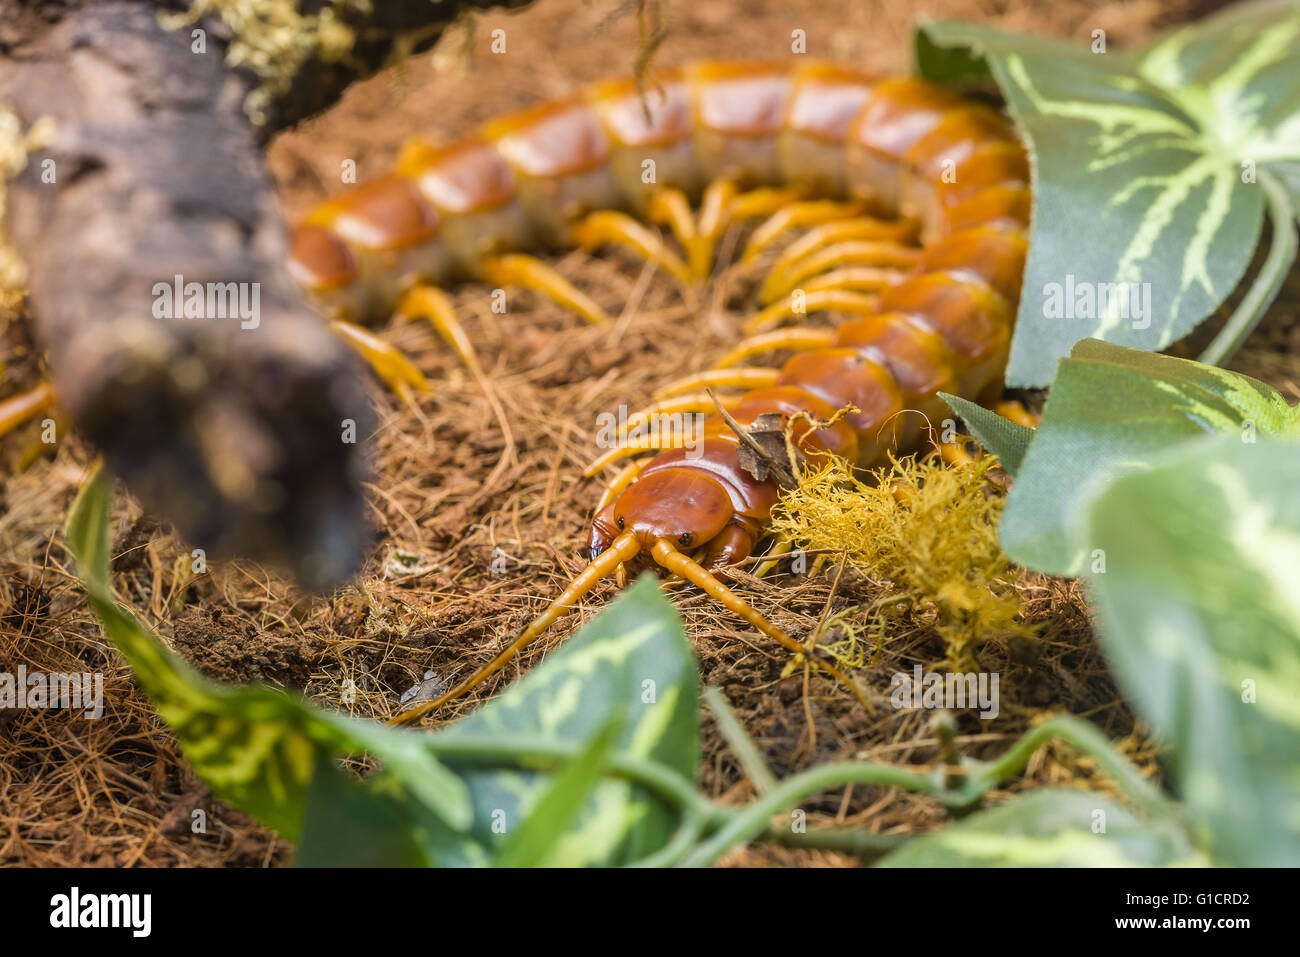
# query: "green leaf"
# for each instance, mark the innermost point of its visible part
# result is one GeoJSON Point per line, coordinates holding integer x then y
{"type": "Point", "coordinates": [1008, 440]}
{"type": "Point", "coordinates": [630, 665]}
{"type": "Point", "coordinates": [1141, 164]}
{"type": "Point", "coordinates": [559, 804]}
{"type": "Point", "coordinates": [1109, 410]}
{"type": "Point", "coordinates": [1200, 613]}
{"type": "Point", "coordinates": [347, 824]}
{"type": "Point", "coordinates": [1050, 828]}
{"type": "Point", "coordinates": [258, 748]}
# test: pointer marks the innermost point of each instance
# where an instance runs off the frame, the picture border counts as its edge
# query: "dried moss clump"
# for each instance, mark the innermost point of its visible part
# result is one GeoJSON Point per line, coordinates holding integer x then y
{"type": "Point", "coordinates": [15, 144]}
{"type": "Point", "coordinates": [928, 529]}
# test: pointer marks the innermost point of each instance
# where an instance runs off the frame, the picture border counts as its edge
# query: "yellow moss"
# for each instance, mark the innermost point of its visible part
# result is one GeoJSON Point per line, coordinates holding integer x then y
{"type": "Point", "coordinates": [273, 39]}
{"type": "Point", "coordinates": [929, 529]}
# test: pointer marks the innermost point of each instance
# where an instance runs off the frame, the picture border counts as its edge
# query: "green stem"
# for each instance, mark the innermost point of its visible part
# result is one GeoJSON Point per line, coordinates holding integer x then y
{"type": "Point", "coordinates": [738, 739]}
{"type": "Point", "coordinates": [1281, 254]}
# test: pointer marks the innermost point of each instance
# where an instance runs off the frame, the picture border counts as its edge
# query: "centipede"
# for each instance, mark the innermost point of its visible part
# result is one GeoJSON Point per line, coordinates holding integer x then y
{"type": "Point", "coordinates": [911, 204]}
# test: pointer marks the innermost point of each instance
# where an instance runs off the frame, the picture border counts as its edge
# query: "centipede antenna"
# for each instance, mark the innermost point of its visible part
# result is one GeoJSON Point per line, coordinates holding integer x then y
{"type": "Point", "coordinates": [855, 253]}
{"type": "Point", "coordinates": [17, 409]}
{"type": "Point", "coordinates": [428, 302]}
{"type": "Point", "coordinates": [857, 303]}
{"type": "Point", "coordinates": [397, 371]}
{"type": "Point", "coordinates": [740, 377]}
{"type": "Point", "coordinates": [796, 216]}
{"type": "Point", "coordinates": [623, 548]}
{"type": "Point", "coordinates": [677, 563]}
{"type": "Point", "coordinates": [620, 229]}
{"type": "Point", "coordinates": [531, 273]}
{"type": "Point", "coordinates": [799, 338]}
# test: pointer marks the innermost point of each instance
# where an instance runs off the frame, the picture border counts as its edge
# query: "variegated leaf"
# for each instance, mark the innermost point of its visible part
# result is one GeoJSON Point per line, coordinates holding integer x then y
{"type": "Point", "coordinates": [1050, 828]}
{"type": "Point", "coordinates": [259, 749]}
{"type": "Point", "coordinates": [1147, 201]}
{"type": "Point", "coordinates": [631, 665]}
{"type": "Point", "coordinates": [1110, 410]}
{"type": "Point", "coordinates": [1199, 608]}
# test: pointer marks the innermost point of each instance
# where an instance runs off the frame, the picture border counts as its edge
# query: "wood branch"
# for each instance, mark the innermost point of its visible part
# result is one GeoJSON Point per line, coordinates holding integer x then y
{"type": "Point", "coordinates": [234, 429]}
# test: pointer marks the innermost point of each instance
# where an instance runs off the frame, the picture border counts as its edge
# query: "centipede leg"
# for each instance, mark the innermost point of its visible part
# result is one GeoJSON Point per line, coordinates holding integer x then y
{"type": "Point", "coordinates": [659, 442]}
{"type": "Point", "coordinates": [397, 371]}
{"type": "Point", "coordinates": [17, 409]}
{"type": "Point", "coordinates": [607, 226]}
{"type": "Point", "coordinates": [1013, 410]}
{"type": "Point", "coordinates": [796, 216]}
{"type": "Point", "coordinates": [619, 482]}
{"type": "Point", "coordinates": [427, 302]}
{"type": "Point", "coordinates": [674, 561]}
{"type": "Point", "coordinates": [691, 402]}
{"type": "Point", "coordinates": [519, 270]}
{"type": "Point", "coordinates": [856, 303]}
{"type": "Point", "coordinates": [852, 279]}
{"type": "Point", "coordinates": [713, 220]}
{"type": "Point", "coordinates": [624, 548]}
{"type": "Point", "coordinates": [740, 377]}
{"type": "Point", "coordinates": [671, 208]}
{"type": "Point", "coordinates": [778, 547]}
{"type": "Point", "coordinates": [857, 253]}
{"type": "Point", "coordinates": [798, 338]}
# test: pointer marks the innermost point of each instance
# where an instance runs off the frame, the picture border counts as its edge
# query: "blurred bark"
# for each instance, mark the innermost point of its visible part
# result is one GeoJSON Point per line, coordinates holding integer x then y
{"type": "Point", "coordinates": [234, 431]}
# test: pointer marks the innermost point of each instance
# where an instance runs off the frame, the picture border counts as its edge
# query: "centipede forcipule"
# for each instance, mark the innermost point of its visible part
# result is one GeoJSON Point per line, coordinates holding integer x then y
{"type": "Point", "coordinates": [920, 156]}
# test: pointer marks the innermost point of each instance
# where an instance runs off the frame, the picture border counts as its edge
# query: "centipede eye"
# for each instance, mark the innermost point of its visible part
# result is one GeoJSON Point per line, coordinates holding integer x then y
{"type": "Point", "coordinates": [620, 523]}
{"type": "Point", "coordinates": [685, 539]}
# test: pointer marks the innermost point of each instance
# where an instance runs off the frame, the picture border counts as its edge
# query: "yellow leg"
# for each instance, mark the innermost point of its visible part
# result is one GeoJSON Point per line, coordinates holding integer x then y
{"type": "Point", "coordinates": [17, 409]}
{"type": "Point", "coordinates": [658, 442]}
{"type": "Point", "coordinates": [607, 226]}
{"type": "Point", "coordinates": [856, 253]}
{"type": "Point", "coordinates": [625, 547]}
{"type": "Point", "coordinates": [694, 402]}
{"type": "Point", "coordinates": [779, 547]}
{"type": "Point", "coordinates": [761, 202]}
{"type": "Point", "coordinates": [857, 303]}
{"type": "Point", "coordinates": [427, 302]}
{"type": "Point", "coordinates": [1013, 410]}
{"type": "Point", "coordinates": [671, 208]}
{"type": "Point", "coordinates": [850, 230]}
{"type": "Point", "coordinates": [622, 480]}
{"type": "Point", "coordinates": [680, 564]}
{"type": "Point", "coordinates": [519, 270]}
{"type": "Point", "coordinates": [799, 338]}
{"type": "Point", "coordinates": [796, 216]}
{"type": "Point", "coordinates": [852, 279]}
{"type": "Point", "coordinates": [713, 220]}
{"type": "Point", "coordinates": [397, 371]}
{"type": "Point", "coordinates": [743, 377]}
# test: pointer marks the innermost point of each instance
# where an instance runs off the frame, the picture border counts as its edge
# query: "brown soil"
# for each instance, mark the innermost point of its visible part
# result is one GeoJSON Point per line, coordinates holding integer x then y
{"type": "Point", "coordinates": [116, 791]}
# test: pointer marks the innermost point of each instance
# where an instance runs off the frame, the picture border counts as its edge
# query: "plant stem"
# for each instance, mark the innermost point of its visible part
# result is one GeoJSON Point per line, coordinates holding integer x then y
{"type": "Point", "coordinates": [1281, 254]}
{"type": "Point", "coordinates": [741, 744]}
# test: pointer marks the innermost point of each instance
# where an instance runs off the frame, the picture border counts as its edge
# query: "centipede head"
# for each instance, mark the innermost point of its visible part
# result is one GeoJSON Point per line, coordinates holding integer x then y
{"type": "Point", "coordinates": [681, 506]}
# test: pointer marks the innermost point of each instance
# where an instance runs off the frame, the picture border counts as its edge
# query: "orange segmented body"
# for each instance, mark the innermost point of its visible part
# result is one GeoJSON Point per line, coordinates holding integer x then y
{"type": "Point", "coordinates": [896, 146]}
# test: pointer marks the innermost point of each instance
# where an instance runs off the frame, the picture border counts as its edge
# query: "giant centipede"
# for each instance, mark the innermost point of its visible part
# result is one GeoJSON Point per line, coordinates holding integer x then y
{"type": "Point", "coordinates": [864, 163]}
